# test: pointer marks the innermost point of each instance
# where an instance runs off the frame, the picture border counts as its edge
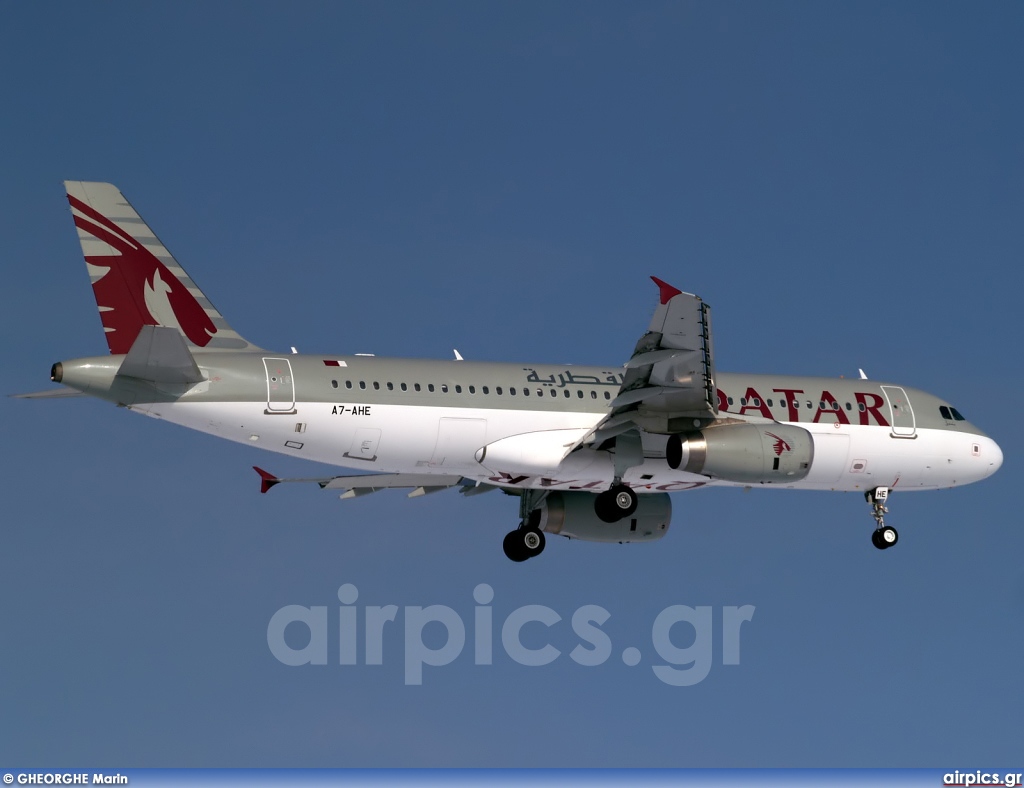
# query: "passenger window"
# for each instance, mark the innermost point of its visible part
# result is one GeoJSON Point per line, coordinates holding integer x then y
{"type": "Point", "coordinates": [743, 402]}
{"type": "Point", "coordinates": [757, 402]}
{"type": "Point", "coordinates": [430, 387]}
{"type": "Point", "coordinates": [540, 392]}
{"type": "Point", "coordinates": [362, 384]}
{"type": "Point", "coordinates": [607, 395]}
{"type": "Point", "coordinates": [553, 393]}
{"type": "Point", "coordinates": [849, 406]}
{"type": "Point", "coordinates": [334, 384]}
{"type": "Point", "coordinates": [391, 386]}
{"type": "Point", "coordinates": [416, 386]}
{"type": "Point", "coordinates": [497, 390]}
{"type": "Point", "coordinates": [770, 404]}
{"type": "Point", "coordinates": [782, 403]}
{"type": "Point", "coordinates": [861, 407]}
{"type": "Point", "coordinates": [730, 399]}
{"type": "Point", "coordinates": [404, 387]}
{"type": "Point", "coordinates": [458, 389]}
{"type": "Point", "coordinates": [376, 386]}
{"type": "Point", "coordinates": [796, 403]}
{"type": "Point", "coordinates": [579, 393]}
{"type": "Point", "coordinates": [511, 391]}
{"type": "Point", "coordinates": [444, 388]}
{"type": "Point", "coordinates": [472, 390]}
{"type": "Point", "coordinates": [526, 392]}
{"type": "Point", "coordinates": [348, 384]}
{"type": "Point", "coordinates": [593, 394]}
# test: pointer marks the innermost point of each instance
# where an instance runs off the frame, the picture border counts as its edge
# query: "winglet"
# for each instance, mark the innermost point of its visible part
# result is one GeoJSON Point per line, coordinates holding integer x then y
{"type": "Point", "coordinates": [268, 480]}
{"type": "Point", "coordinates": [667, 291]}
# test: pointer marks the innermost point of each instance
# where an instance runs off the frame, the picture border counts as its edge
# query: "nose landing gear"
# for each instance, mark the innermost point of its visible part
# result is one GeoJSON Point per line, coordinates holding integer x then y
{"type": "Point", "coordinates": [884, 536]}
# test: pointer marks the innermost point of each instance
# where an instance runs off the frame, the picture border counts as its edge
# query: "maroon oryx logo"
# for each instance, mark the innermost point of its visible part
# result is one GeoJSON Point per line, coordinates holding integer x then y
{"type": "Point", "coordinates": [136, 289]}
{"type": "Point", "coordinates": [780, 445]}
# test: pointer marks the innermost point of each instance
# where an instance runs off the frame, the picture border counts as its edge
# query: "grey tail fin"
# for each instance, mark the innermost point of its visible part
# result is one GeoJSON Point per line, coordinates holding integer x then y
{"type": "Point", "coordinates": [135, 280]}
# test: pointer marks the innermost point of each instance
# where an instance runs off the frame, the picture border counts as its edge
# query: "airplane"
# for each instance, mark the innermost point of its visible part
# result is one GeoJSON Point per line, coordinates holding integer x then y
{"type": "Point", "coordinates": [592, 453]}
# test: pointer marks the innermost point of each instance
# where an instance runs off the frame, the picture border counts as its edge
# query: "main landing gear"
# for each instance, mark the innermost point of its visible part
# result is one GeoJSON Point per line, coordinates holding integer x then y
{"type": "Point", "coordinates": [527, 541]}
{"type": "Point", "coordinates": [885, 536]}
{"type": "Point", "coordinates": [615, 504]}
{"type": "Point", "coordinates": [523, 543]}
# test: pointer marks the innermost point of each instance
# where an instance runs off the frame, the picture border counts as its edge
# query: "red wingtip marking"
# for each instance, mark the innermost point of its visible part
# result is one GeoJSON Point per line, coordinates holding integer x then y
{"type": "Point", "coordinates": [667, 291]}
{"type": "Point", "coordinates": [268, 480]}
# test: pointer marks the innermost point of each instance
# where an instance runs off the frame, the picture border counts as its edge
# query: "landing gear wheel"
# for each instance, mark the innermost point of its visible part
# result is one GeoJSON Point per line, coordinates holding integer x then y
{"type": "Point", "coordinates": [884, 537]}
{"type": "Point", "coordinates": [514, 548]}
{"type": "Point", "coordinates": [625, 500]}
{"type": "Point", "coordinates": [604, 507]}
{"type": "Point", "coordinates": [523, 543]}
{"type": "Point", "coordinates": [615, 504]}
{"type": "Point", "coordinates": [533, 541]}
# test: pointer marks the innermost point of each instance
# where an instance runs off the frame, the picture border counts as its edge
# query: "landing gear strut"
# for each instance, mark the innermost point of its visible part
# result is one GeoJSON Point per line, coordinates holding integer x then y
{"type": "Point", "coordinates": [885, 536]}
{"type": "Point", "coordinates": [527, 541]}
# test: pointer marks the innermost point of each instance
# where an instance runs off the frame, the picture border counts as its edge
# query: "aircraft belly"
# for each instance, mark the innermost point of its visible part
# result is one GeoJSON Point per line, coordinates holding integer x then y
{"type": "Point", "coordinates": [408, 439]}
{"type": "Point", "coordinates": [394, 438]}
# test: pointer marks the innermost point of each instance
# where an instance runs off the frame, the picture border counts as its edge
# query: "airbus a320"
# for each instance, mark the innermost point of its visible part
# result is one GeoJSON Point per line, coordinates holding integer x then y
{"type": "Point", "coordinates": [592, 453]}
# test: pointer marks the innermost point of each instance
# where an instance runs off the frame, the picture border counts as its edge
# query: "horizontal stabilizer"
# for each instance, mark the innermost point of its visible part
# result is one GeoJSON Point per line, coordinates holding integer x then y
{"type": "Point", "coordinates": [160, 355]}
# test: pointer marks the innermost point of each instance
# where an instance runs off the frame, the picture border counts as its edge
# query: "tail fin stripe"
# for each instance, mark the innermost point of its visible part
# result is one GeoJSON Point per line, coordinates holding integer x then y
{"type": "Point", "coordinates": [99, 218]}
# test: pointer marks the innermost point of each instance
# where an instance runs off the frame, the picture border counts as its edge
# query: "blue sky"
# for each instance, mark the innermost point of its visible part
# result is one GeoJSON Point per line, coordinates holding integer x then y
{"type": "Point", "coordinates": [842, 182]}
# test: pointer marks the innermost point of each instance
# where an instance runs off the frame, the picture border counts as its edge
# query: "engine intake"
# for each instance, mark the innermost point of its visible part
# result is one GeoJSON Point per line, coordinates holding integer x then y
{"type": "Point", "coordinates": [746, 453]}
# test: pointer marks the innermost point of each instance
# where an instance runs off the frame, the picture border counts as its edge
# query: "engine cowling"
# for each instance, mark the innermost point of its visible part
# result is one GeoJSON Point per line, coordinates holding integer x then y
{"type": "Point", "coordinates": [572, 514]}
{"type": "Point", "coordinates": [746, 453]}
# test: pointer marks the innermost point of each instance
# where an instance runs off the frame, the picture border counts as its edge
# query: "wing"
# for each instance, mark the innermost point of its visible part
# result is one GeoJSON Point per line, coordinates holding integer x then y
{"type": "Point", "coordinates": [49, 394]}
{"type": "Point", "coordinates": [353, 486]}
{"type": "Point", "coordinates": [669, 384]}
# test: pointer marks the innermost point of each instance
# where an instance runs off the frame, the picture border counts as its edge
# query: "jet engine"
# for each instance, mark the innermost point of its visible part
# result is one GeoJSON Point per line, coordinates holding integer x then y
{"type": "Point", "coordinates": [572, 514]}
{"type": "Point", "coordinates": [745, 453]}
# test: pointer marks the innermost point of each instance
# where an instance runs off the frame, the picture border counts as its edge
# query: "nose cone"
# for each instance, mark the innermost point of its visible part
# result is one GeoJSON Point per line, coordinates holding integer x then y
{"type": "Point", "coordinates": [991, 455]}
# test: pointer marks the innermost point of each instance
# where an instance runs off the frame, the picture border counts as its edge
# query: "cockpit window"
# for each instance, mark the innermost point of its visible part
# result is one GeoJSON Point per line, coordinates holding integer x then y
{"type": "Point", "coordinates": [944, 412]}
{"type": "Point", "coordinates": [956, 414]}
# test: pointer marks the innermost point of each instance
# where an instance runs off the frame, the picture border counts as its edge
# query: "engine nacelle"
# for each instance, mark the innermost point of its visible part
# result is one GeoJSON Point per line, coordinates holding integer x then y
{"type": "Point", "coordinates": [572, 514]}
{"type": "Point", "coordinates": [746, 453]}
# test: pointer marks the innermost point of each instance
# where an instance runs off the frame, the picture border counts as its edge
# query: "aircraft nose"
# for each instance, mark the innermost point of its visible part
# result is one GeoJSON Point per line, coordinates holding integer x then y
{"type": "Point", "coordinates": [991, 455]}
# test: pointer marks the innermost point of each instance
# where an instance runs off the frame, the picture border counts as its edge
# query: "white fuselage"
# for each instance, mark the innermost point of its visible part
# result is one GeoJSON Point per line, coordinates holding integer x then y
{"type": "Point", "coordinates": [445, 440]}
